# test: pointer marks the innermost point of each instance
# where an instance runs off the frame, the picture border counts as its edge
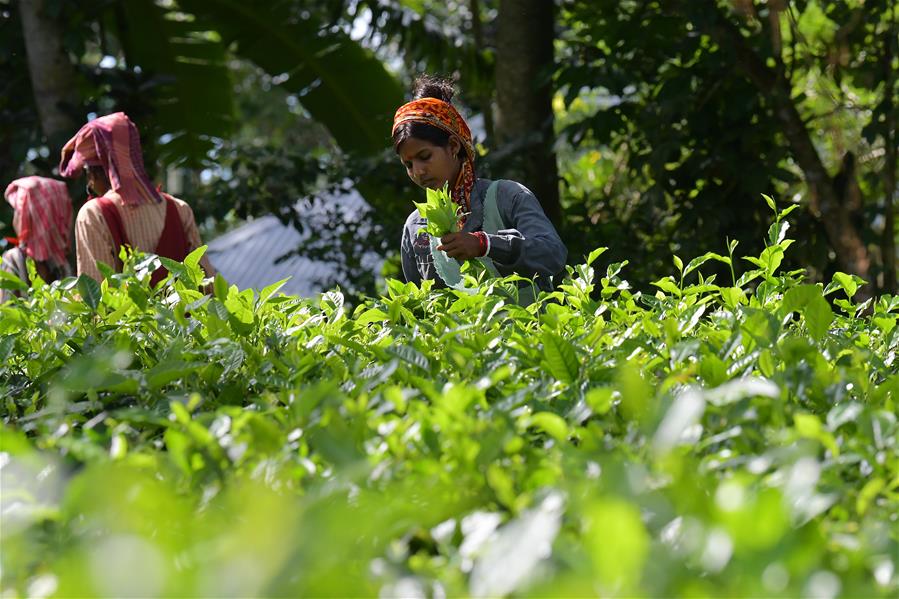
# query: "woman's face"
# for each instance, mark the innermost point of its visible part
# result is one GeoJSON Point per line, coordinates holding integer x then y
{"type": "Point", "coordinates": [97, 183]}
{"type": "Point", "coordinates": [429, 165]}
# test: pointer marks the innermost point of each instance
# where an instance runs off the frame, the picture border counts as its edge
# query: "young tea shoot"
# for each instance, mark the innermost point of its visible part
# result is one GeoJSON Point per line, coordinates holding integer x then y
{"type": "Point", "coordinates": [440, 211]}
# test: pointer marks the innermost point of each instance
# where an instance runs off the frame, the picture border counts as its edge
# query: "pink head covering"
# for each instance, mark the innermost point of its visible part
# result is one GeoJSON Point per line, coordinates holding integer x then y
{"type": "Point", "coordinates": [42, 218]}
{"type": "Point", "coordinates": [111, 142]}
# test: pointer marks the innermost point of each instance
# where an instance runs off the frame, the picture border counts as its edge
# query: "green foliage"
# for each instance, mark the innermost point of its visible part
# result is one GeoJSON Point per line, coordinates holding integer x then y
{"type": "Point", "coordinates": [185, 63]}
{"type": "Point", "coordinates": [659, 146]}
{"type": "Point", "coordinates": [702, 440]}
{"type": "Point", "coordinates": [670, 125]}
{"type": "Point", "coordinates": [440, 211]}
{"type": "Point", "coordinates": [19, 125]}
{"type": "Point", "coordinates": [308, 189]}
{"type": "Point", "coordinates": [172, 70]}
{"type": "Point", "coordinates": [340, 83]}
{"type": "Point", "coordinates": [434, 36]}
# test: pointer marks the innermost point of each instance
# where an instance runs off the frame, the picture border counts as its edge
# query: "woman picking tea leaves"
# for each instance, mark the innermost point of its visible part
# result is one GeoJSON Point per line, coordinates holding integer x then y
{"type": "Point", "coordinates": [500, 222]}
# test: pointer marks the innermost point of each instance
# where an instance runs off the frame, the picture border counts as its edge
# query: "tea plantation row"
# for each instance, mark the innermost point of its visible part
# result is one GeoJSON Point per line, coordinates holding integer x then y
{"type": "Point", "coordinates": [713, 438]}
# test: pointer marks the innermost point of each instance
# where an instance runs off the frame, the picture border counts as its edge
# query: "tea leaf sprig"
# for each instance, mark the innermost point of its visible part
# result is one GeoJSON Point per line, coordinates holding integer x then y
{"type": "Point", "coordinates": [440, 211]}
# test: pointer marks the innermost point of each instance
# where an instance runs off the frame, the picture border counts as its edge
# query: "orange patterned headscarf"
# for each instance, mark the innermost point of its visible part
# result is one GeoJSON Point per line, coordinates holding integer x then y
{"type": "Point", "coordinates": [444, 116]}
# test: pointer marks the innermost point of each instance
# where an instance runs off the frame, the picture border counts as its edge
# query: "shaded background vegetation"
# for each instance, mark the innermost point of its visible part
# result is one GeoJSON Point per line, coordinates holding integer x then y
{"type": "Point", "coordinates": [649, 127]}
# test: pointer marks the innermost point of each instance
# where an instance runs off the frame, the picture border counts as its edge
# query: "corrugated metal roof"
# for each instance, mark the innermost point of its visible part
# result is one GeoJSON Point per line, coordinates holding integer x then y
{"type": "Point", "coordinates": [247, 255]}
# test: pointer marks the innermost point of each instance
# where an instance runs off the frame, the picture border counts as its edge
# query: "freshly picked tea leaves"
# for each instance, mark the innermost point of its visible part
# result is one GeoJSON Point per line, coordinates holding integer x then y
{"type": "Point", "coordinates": [440, 211]}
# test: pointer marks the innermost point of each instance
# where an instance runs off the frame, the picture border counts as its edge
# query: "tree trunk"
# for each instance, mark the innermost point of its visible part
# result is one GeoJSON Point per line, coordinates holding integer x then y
{"type": "Point", "coordinates": [52, 74]}
{"type": "Point", "coordinates": [888, 241]}
{"type": "Point", "coordinates": [831, 212]}
{"type": "Point", "coordinates": [485, 99]}
{"type": "Point", "coordinates": [524, 124]}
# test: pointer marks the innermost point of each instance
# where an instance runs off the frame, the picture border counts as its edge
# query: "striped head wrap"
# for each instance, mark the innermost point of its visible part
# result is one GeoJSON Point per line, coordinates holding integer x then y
{"type": "Point", "coordinates": [42, 218]}
{"type": "Point", "coordinates": [113, 143]}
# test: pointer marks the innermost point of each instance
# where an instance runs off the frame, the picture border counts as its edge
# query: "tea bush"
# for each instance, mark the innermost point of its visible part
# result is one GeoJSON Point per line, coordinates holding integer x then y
{"type": "Point", "coordinates": [710, 439]}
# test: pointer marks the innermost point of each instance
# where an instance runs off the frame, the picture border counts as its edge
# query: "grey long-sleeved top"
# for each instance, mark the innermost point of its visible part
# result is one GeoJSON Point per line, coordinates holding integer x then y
{"type": "Point", "coordinates": [529, 245]}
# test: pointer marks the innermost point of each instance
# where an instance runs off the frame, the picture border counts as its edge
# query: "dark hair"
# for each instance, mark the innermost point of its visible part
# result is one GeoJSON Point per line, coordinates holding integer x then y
{"type": "Point", "coordinates": [426, 86]}
{"type": "Point", "coordinates": [429, 86]}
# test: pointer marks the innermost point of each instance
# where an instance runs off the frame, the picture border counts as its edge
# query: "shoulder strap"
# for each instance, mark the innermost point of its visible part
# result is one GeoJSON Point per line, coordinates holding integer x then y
{"type": "Point", "coordinates": [493, 221]}
{"type": "Point", "coordinates": [114, 223]}
{"type": "Point", "coordinates": [172, 241]}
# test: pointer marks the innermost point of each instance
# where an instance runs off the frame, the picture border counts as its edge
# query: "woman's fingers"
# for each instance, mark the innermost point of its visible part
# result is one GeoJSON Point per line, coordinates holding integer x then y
{"type": "Point", "coordinates": [450, 237]}
{"type": "Point", "coordinates": [448, 242]}
{"type": "Point", "coordinates": [459, 245]}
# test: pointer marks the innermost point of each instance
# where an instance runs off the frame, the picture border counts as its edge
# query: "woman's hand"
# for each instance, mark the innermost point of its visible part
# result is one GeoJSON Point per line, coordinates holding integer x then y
{"type": "Point", "coordinates": [462, 246]}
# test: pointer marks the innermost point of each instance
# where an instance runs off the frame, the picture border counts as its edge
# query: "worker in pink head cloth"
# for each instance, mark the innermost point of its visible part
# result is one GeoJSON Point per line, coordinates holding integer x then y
{"type": "Point", "coordinates": [126, 208]}
{"type": "Point", "coordinates": [42, 219]}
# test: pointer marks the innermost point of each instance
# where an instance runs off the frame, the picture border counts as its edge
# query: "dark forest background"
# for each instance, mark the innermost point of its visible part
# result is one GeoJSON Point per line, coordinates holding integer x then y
{"type": "Point", "coordinates": [650, 127]}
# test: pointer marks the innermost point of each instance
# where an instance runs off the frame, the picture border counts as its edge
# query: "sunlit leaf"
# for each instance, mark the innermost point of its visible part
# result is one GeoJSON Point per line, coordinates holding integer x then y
{"type": "Point", "coordinates": [90, 291]}
{"type": "Point", "coordinates": [560, 357]}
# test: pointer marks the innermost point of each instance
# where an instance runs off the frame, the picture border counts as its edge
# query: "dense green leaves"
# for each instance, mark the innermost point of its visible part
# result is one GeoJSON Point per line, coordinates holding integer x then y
{"type": "Point", "coordinates": [340, 83]}
{"type": "Point", "coordinates": [675, 115]}
{"type": "Point", "coordinates": [440, 212]}
{"type": "Point", "coordinates": [701, 440]}
{"type": "Point", "coordinates": [189, 65]}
